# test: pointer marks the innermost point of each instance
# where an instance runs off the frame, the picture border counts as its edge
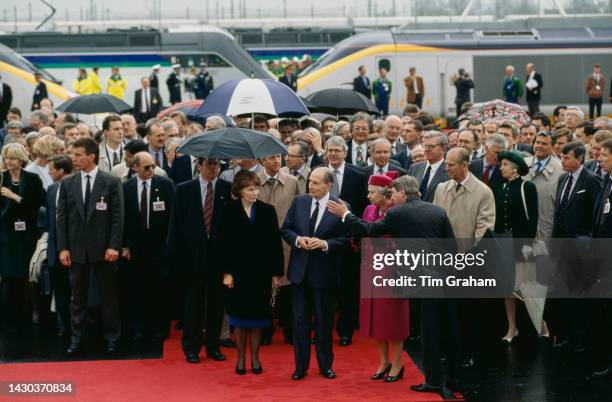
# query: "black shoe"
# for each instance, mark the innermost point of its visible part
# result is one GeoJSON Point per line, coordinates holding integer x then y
{"type": "Point", "coordinates": [381, 374]}
{"type": "Point", "coordinates": [345, 341]}
{"type": "Point", "coordinates": [424, 387]}
{"type": "Point", "coordinates": [111, 347]}
{"type": "Point", "coordinates": [468, 362]}
{"type": "Point", "coordinates": [228, 343]}
{"type": "Point", "coordinates": [453, 384]}
{"type": "Point", "coordinates": [396, 377]}
{"type": "Point", "coordinates": [240, 371]}
{"type": "Point", "coordinates": [605, 374]}
{"type": "Point", "coordinates": [266, 341]}
{"type": "Point", "coordinates": [74, 349]}
{"type": "Point", "coordinates": [329, 374]}
{"type": "Point", "coordinates": [215, 355]}
{"type": "Point", "coordinates": [298, 375]}
{"type": "Point", "coordinates": [256, 370]}
{"type": "Point", "coordinates": [192, 358]}
{"type": "Point", "coordinates": [561, 344]}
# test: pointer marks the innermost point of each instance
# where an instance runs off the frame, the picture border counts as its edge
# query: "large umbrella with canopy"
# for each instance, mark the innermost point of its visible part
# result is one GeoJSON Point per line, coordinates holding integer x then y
{"type": "Point", "coordinates": [339, 101]}
{"type": "Point", "coordinates": [239, 143]}
{"type": "Point", "coordinates": [250, 96]}
{"type": "Point", "coordinates": [499, 110]}
{"type": "Point", "coordinates": [189, 107]}
{"type": "Point", "coordinates": [95, 103]}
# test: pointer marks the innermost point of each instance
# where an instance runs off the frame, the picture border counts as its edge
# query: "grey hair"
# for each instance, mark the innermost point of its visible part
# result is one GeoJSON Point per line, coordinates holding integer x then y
{"type": "Point", "coordinates": [312, 130]}
{"type": "Point", "coordinates": [496, 139]}
{"type": "Point", "coordinates": [31, 136]}
{"type": "Point", "coordinates": [328, 176]}
{"type": "Point", "coordinates": [337, 141]}
{"type": "Point", "coordinates": [606, 119]}
{"type": "Point", "coordinates": [381, 141]}
{"type": "Point", "coordinates": [408, 184]}
{"type": "Point", "coordinates": [510, 66]}
{"type": "Point", "coordinates": [577, 109]}
{"type": "Point", "coordinates": [441, 137]}
{"type": "Point", "coordinates": [217, 121]}
{"type": "Point", "coordinates": [303, 148]}
{"type": "Point", "coordinates": [493, 121]}
{"type": "Point", "coordinates": [40, 115]}
{"type": "Point", "coordinates": [338, 126]}
{"type": "Point", "coordinates": [168, 124]}
{"type": "Point", "coordinates": [14, 124]}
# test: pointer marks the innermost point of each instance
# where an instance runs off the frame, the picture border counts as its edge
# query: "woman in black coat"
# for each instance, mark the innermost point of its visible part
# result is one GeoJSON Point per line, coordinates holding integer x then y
{"type": "Point", "coordinates": [21, 195]}
{"type": "Point", "coordinates": [516, 211]}
{"type": "Point", "coordinates": [252, 264]}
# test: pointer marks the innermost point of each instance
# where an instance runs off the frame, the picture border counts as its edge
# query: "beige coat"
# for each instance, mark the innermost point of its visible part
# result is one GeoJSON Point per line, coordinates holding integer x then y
{"type": "Point", "coordinates": [281, 195]}
{"type": "Point", "coordinates": [471, 211]}
{"type": "Point", "coordinates": [546, 184]}
{"type": "Point", "coordinates": [302, 178]}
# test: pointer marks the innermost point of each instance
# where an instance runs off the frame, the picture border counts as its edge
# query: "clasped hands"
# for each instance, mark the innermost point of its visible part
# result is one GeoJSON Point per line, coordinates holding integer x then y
{"type": "Point", "coordinates": [311, 243]}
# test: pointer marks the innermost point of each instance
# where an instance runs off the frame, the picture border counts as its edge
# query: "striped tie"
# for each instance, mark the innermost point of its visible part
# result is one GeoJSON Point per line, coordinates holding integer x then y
{"type": "Point", "coordinates": [208, 208]}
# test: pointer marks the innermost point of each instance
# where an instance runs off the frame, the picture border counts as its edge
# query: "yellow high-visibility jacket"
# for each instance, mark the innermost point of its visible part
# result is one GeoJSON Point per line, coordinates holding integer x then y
{"type": "Point", "coordinates": [82, 86]}
{"type": "Point", "coordinates": [116, 86]}
{"type": "Point", "coordinates": [95, 87]}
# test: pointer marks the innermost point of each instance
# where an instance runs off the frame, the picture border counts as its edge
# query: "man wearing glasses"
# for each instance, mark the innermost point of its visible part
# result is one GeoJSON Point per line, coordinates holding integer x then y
{"type": "Point", "coordinates": [148, 204]}
{"type": "Point", "coordinates": [295, 163]}
{"type": "Point", "coordinates": [432, 171]}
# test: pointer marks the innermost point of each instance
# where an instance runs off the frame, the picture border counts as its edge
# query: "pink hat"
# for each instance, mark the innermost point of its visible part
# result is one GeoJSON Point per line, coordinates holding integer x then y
{"type": "Point", "coordinates": [380, 180]}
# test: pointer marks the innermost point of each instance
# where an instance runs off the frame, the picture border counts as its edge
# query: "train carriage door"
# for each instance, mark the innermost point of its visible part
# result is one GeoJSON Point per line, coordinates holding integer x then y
{"type": "Point", "coordinates": [386, 61]}
{"type": "Point", "coordinates": [449, 67]}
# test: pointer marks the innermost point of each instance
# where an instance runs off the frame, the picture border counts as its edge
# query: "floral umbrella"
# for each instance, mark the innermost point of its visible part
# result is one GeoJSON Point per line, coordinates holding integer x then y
{"type": "Point", "coordinates": [499, 110]}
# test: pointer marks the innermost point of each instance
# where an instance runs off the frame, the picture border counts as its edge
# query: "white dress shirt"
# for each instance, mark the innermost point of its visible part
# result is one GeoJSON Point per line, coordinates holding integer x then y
{"type": "Point", "coordinates": [385, 169]}
{"type": "Point", "coordinates": [145, 99]}
{"type": "Point", "coordinates": [322, 207]}
{"type": "Point", "coordinates": [575, 175]}
{"type": "Point", "coordinates": [339, 175]}
{"type": "Point", "coordinates": [364, 151]}
{"type": "Point", "coordinates": [434, 169]}
{"type": "Point", "coordinates": [139, 193]}
{"type": "Point", "coordinates": [92, 179]}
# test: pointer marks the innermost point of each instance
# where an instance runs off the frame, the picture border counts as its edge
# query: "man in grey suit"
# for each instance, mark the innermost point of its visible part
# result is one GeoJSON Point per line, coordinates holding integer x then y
{"type": "Point", "coordinates": [243, 164]}
{"type": "Point", "coordinates": [89, 235]}
{"type": "Point", "coordinates": [432, 171]}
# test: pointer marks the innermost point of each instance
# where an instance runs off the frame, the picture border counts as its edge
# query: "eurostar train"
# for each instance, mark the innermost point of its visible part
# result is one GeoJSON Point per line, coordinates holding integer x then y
{"type": "Point", "coordinates": [19, 74]}
{"type": "Point", "coordinates": [564, 57]}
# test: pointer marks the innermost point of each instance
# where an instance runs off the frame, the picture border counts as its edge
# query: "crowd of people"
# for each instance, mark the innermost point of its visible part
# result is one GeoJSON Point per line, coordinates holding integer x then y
{"type": "Point", "coordinates": [114, 225]}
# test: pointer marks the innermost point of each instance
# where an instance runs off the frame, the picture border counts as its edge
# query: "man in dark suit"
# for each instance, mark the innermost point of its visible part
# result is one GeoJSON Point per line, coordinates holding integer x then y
{"type": "Point", "coordinates": [147, 101]}
{"type": "Point", "coordinates": [148, 205]}
{"type": "Point", "coordinates": [432, 171]}
{"type": "Point", "coordinates": [317, 241]}
{"type": "Point", "coordinates": [357, 153]}
{"type": "Point", "coordinates": [381, 158]}
{"type": "Point", "coordinates": [533, 87]}
{"type": "Point", "coordinates": [184, 168]}
{"type": "Point", "coordinates": [59, 167]}
{"type": "Point", "coordinates": [392, 129]}
{"type": "Point", "coordinates": [6, 99]}
{"type": "Point", "coordinates": [174, 84]}
{"type": "Point", "coordinates": [89, 236]}
{"type": "Point", "coordinates": [410, 217]}
{"type": "Point", "coordinates": [40, 92]}
{"type": "Point", "coordinates": [362, 84]}
{"type": "Point", "coordinates": [153, 78]}
{"type": "Point", "coordinates": [577, 192]}
{"type": "Point", "coordinates": [486, 169]}
{"type": "Point", "coordinates": [289, 78]}
{"type": "Point", "coordinates": [192, 244]}
{"type": "Point", "coordinates": [156, 138]}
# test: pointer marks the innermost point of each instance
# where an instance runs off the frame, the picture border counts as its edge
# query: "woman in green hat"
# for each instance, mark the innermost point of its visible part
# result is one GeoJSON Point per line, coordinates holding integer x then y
{"type": "Point", "coordinates": [516, 211]}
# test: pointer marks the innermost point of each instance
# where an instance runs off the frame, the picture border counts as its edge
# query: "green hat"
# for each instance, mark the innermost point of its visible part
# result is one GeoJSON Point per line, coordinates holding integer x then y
{"type": "Point", "coordinates": [517, 158]}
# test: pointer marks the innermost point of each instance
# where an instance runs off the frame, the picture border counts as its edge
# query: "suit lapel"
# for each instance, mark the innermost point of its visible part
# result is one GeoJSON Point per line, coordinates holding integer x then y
{"type": "Point", "coordinates": [95, 195]}
{"type": "Point", "coordinates": [78, 190]}
{"type": "Point", "coordinates": [576, 186]}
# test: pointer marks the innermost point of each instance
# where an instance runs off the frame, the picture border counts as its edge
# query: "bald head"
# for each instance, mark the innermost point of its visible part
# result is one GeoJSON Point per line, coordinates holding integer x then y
{"type": "Point", "coordinates": [392, 128]}
{"type": "Point", "coordinates": [144, 165]}
{"type": "Point", "coordinates": [457, 160]}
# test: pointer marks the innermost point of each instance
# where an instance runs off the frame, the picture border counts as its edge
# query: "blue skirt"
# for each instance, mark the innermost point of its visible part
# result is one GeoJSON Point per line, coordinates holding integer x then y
{"type": "Point", "coordinates": [249, 322]}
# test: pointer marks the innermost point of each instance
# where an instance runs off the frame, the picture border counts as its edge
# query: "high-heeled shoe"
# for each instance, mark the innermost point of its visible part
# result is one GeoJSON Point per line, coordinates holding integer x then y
{"type": "Point", "coordinates": [396, 377]}
{"type": "Point", "coordinates": [256, 370]}
{"type": "Point", "coordinates": [381, 374]}
{"type": "Point", "coordinates": [508, 339]}
{"type": "Point", "coordinates": [240, 371]}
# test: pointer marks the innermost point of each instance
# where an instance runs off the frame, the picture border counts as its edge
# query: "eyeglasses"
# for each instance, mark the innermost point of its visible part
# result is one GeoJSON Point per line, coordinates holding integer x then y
{"type": "Point", "coordinates": [295, 156]}
{"type": "Point", "coordinates": [147, 167]}
{"type": "Point", "coordinates": [334, 151]}
{"type": "Point", "coordinates": [429, 146]}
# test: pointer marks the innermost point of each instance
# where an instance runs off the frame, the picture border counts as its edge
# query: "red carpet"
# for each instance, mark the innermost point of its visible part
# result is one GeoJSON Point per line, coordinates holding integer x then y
{"type": "Point", "coordinates": [172, 379]}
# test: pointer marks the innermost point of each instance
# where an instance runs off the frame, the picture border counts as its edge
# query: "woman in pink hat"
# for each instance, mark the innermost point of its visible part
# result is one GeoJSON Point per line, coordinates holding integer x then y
{"type": "Point", "coordinates": [385, 320]}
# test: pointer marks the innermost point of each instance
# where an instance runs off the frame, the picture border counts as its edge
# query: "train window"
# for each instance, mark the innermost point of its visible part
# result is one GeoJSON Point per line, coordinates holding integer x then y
{"type": "Point", "coordinates": [189, 60]}
{"type": "Point", "coordinates": [384, 63]}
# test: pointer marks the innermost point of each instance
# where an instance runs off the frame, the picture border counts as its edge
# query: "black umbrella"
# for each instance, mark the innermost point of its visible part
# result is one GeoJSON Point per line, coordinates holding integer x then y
{"type": "Point", "coordinates": [240, 143]}
{"type": "Point", "coordinates": [339, 101]}
{"type": "Point", "coordinates": [312, 108]}
{"type": "Point", "coordinates": [96, 103]}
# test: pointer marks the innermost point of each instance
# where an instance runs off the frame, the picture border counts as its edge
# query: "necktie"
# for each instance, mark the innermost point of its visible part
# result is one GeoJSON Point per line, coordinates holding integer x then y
{"type": "Point", "coordinates": [457, 187]}
{"type": "Point", "coordinates": [566, 193]}
{"type": "Point", "coordinates": [425, 182]}
{"type": "Point", "coordinates": [144, 205]}
{"type": "Point", "coordinates": [87, 193]}
{"type": "Point", "coordinates": [598, 170]}
{"type": "Point", "coordinates": [359, 157]}
{"type": "Point", "coordinates": [335, 190]}
{"type": "Point", "coordinates": [381, 171]}
{"type": "Point", "coordinates": [208, 208]}
{"type": "Point", "coordinates": [538, 167]}
{"type": "Point", "coordinates": [296, 173]}
{"type": "Point", "coordinates": [487, 174]}
{"type": "Point", "coordinates": [115, 159]}
{"type": "Point", "coordinates": [475, 155]}
{"type": "Point", "coordinates": [312, 225]}
{"type": "Point", "coordinates": [158, 161]}
{"type": "Point", "coordinates": [195, 170]}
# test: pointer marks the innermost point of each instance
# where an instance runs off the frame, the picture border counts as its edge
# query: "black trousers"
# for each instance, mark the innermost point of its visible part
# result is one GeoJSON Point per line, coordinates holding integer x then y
{"type": "Point", "coordinates": [307, 302]}
{"type": "Point", "coordinates": [60, 285]}
{"type": "Point", "coordinates": [458, 106]}
{"type": "Point", "coordinates": [599, 333]}
{"type": "Point", "coordinates": [106, 275]}
{"type": "Point", "coordinates": [203, 309]}
{"type": "Point", "coordinates": [149, 309]}
{"type": "Point", "coordinates": [12, 303]}
{"type": "Point", "coordinates": [348, 295]}
{"type": "Point", "coordinates": [593, 104]}
{"type": "Point", "coordinates": [419, 101]}
{"type": "Point", "coordinates": [440, 327]}
{"type": "Point", "coordinates": [534, 106]}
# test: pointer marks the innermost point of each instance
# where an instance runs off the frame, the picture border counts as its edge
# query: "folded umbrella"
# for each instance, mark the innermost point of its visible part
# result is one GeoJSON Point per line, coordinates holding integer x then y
{"type": "Point", "coordinates": [95, 103]}
{"type": "Point", "coordinates": [240, 143]}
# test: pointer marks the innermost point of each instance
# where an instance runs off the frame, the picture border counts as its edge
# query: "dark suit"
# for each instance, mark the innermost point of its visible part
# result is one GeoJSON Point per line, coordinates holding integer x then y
{"type": "Point", "coordinates": [593, 166]}
{"type": "Point", "coordinates": [370, 170]}
{"type": "Point", "coordinates": [533, 96]}
{"type": "Point", "coordinates": [402, 155]}
{"type": "Point", "coordinates": [315, 161]}
{"type": "Point", "coordinates": [418, 171]}
{"type": "Point", "coordinates": [5, 102]}
{"type": "Point", "coordinates": [290, 81]}
{"type": "Point", "coordinates": [155, 105]}
{"type": "Point", "coordinates": [181, 170]}
{"type": "Point", "coordinates": [174, 87]}
{"type": "Point", "coordinates": [313, 275]}
{"type": "Point", "coordinates": [476, 167]}
{"type": "Point", "coordinates": [419, 219]}
{"type": "Point", "coordinates": [60, 281]}
{"type": "Point", "coordinates": [363, 86]}
{"type": "Point", "coordinates": [87, 234]}
{"type": "Point", "coordinates": [147, 247]}
{"type": "Point", "coordinates": [40, 93]}
{"type": "Point", "coordinates": [193, 253]}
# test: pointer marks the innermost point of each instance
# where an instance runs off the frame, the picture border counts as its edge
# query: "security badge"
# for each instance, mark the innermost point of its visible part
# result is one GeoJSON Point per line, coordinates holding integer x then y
{"type": "Point", "coordinates": [101, 206]}
{"type": "Point", "coordinates": [20, 226]}
{"type": "Point", "coordinates": [158, 205]}
{"type": "Point", "coordinates": [607, 207]}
